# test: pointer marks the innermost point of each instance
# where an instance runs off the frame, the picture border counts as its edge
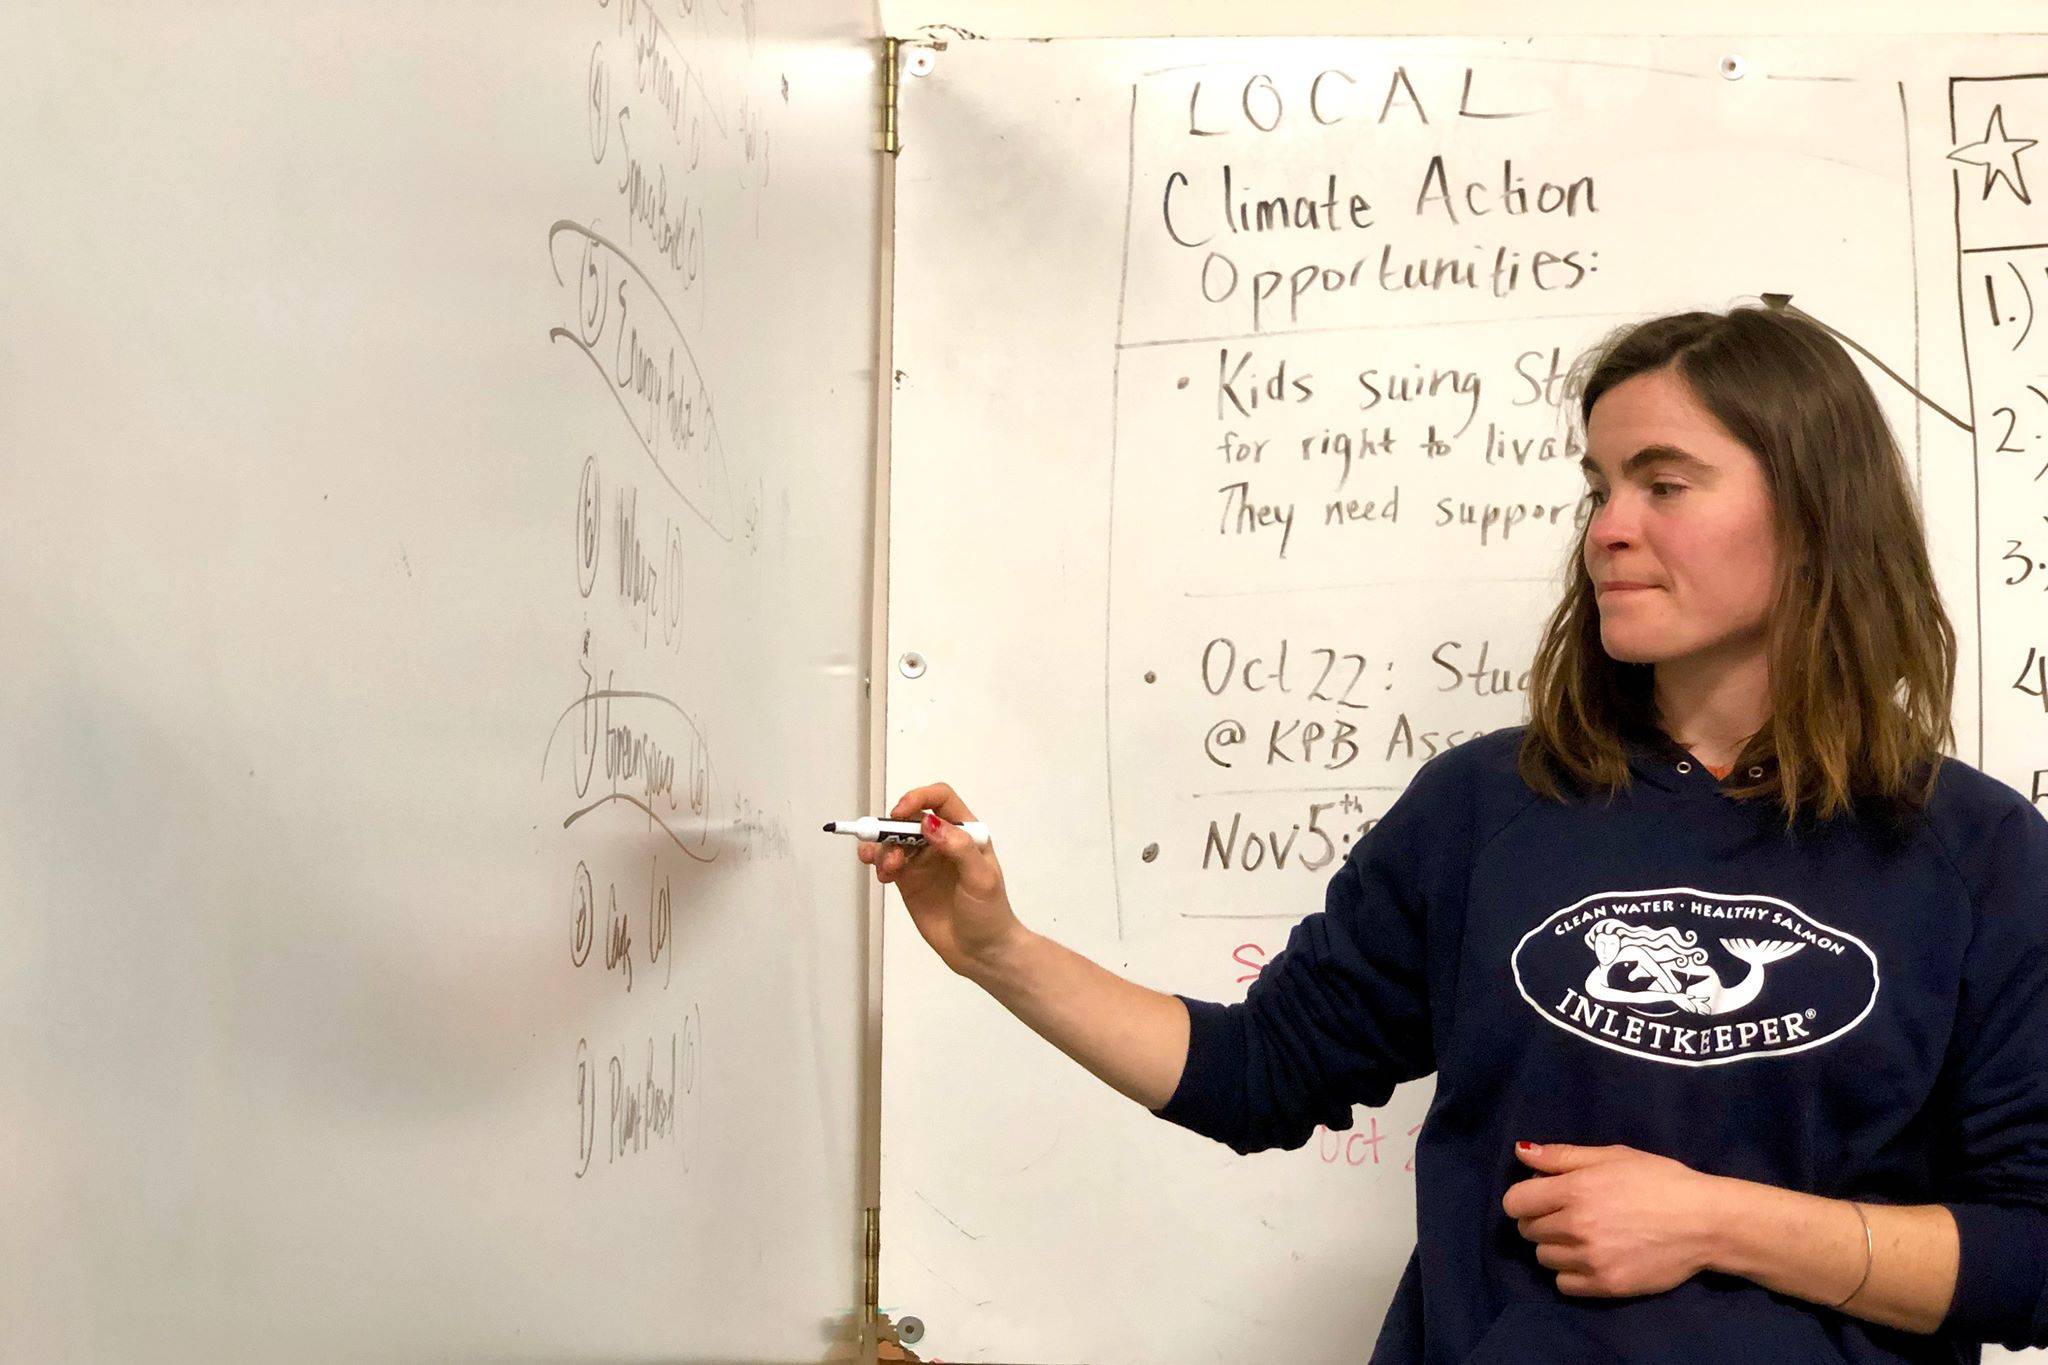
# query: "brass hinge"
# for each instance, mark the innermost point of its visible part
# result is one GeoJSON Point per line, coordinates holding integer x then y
{"type": "Point", "coordinates": [871, 1256]}
{"type": "Point", "coordinates": [889, 69]}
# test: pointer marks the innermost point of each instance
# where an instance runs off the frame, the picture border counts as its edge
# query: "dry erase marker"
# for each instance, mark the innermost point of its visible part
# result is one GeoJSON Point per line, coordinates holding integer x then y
{"type": "Point", "coordinates": [877, 830]}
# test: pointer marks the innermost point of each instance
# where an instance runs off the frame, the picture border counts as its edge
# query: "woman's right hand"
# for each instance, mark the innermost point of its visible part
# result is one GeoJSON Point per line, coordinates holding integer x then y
{"type": "Point", "coordinates": [952, 888]}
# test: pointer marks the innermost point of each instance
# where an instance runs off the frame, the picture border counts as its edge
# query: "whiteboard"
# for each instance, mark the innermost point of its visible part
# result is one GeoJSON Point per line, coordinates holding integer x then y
{"type": "Point", "coordinates": [1176, 707]}
{"type": "Point", "coordinates": [434, 573]}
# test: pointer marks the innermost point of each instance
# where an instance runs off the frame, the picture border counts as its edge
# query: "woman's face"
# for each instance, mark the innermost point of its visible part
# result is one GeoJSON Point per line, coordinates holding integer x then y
{"type": "Point", "coordinates": [1697, 530]}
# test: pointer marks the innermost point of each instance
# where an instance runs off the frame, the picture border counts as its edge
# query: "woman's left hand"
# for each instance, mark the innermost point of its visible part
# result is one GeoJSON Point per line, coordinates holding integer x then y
{"type": "Point", "coordinates": [1613, 1220]}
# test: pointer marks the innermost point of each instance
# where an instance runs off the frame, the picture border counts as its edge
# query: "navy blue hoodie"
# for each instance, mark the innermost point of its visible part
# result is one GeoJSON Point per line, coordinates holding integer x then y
{"type": "Point", "coordinates": [1857, 1008]}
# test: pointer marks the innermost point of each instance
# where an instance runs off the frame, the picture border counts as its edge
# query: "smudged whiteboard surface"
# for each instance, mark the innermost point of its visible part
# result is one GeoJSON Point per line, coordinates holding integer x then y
{"type": "Point", "coordinates": [432, 561]}
{"type": "Point", "coordinates": [1211, 529]}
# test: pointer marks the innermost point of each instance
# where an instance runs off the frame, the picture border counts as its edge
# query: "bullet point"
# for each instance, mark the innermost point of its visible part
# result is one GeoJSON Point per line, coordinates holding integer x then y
{"type": "Point", "coordinates": [1182, 382]}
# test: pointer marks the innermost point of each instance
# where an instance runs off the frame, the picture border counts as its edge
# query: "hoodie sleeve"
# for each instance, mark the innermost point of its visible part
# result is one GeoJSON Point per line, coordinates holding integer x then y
{"type": "Point", "coordinates": [1995, 1177]}
{"type": "Point", "coordinates": [1341, 1015]}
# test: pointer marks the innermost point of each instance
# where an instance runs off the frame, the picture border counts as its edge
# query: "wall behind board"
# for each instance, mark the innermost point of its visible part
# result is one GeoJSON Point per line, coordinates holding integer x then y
{"type": "Point", "coordinates": [433, 563]}
{"type": "Point", "coordinates": [1280, 18]}
{"type": "Point", "coordinates": [1179, 687]}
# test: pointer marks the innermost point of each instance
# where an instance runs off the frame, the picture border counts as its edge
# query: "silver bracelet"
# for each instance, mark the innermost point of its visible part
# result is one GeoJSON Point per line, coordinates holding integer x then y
{"type": "Point", "coordinates": [1868, 1250]}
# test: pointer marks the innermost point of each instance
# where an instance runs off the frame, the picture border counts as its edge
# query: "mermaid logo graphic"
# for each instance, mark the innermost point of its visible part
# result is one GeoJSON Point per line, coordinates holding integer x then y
{"type": "Point", "coordinates": [1672, 971]}
{"type": "Point", "coordinates": [1695, 978]}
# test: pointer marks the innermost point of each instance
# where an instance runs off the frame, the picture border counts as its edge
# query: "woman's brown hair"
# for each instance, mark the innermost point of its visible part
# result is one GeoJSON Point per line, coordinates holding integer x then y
{"type": "Point", "coordinates": [1862, 656]}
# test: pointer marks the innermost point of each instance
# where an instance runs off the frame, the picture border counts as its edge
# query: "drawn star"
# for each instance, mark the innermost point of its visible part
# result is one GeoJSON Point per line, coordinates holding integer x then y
{"type": "Point", "coordinates": [1999, 155]}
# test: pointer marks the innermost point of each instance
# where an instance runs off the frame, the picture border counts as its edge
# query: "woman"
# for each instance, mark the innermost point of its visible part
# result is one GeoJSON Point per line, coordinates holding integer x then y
{"type": "Point", "coordinates": [1734, 986]}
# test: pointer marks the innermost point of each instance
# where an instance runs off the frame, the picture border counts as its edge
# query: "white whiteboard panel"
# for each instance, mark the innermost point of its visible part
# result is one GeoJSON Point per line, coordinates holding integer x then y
{"type": "Point", "coordinates": [1071, 412]}
{"type": "Point", "coordinates": [433, 571]}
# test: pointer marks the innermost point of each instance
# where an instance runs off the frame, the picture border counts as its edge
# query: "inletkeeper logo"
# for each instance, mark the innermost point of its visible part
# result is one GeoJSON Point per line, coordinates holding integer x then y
{"type": "Point", "coordinates": [1695, 978]}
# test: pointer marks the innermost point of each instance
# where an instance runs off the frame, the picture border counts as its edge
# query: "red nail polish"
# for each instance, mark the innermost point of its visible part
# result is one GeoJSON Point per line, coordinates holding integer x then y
{"type": "Point", "coordinates": [1526, 1146]}
{"type": "Point", "coordinates": [931, 823]}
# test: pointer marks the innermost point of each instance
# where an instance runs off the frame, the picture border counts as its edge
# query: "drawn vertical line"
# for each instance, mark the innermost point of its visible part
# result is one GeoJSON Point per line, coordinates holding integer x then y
{"type": "Point", "coordinates": [1970, 391]}
{"type": "Point", "coordinates": [1116, 370]}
